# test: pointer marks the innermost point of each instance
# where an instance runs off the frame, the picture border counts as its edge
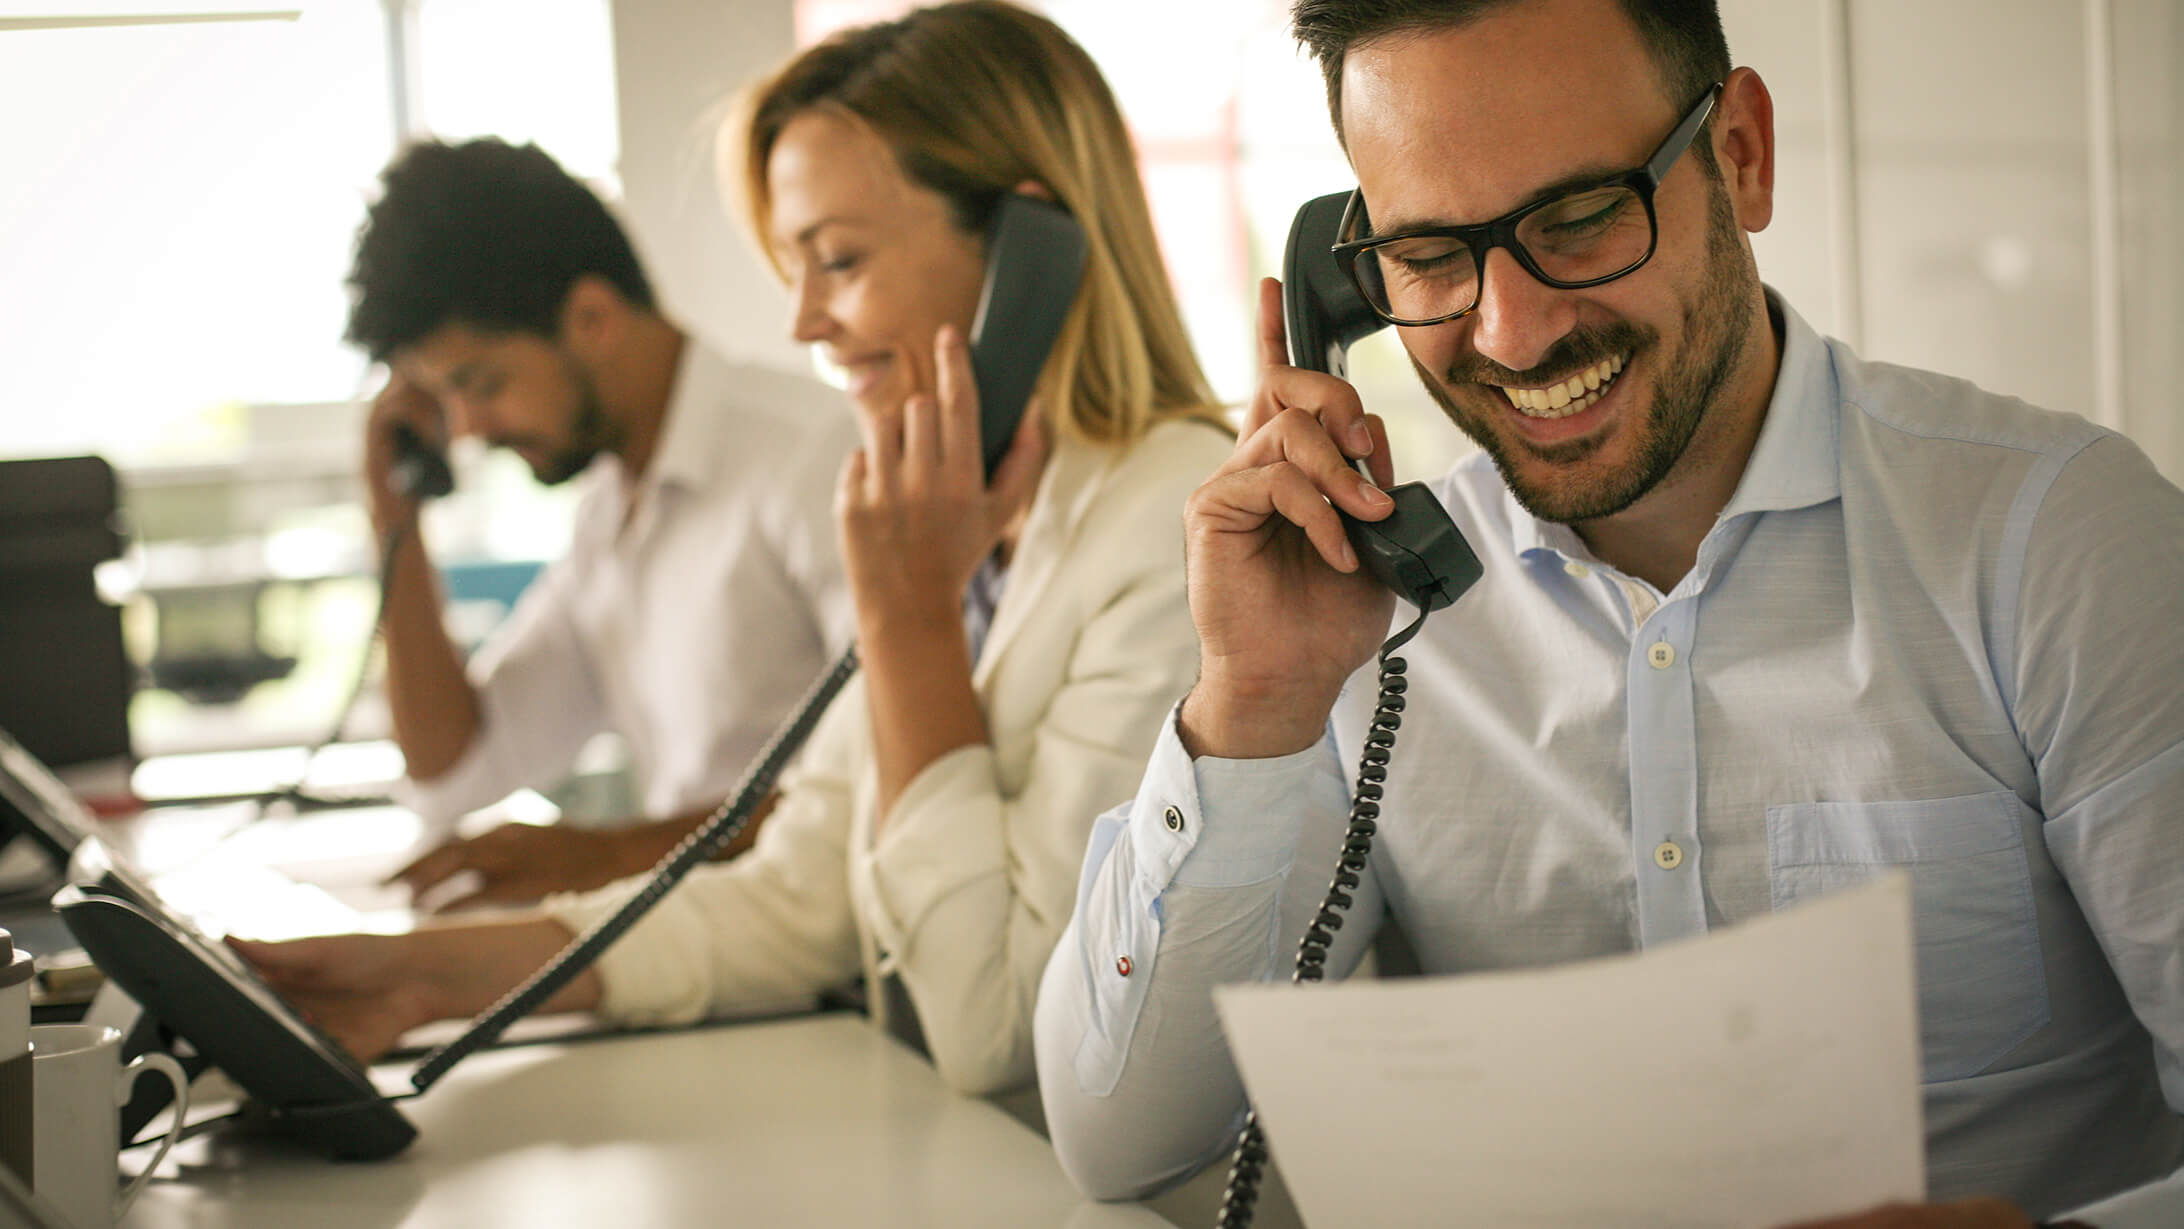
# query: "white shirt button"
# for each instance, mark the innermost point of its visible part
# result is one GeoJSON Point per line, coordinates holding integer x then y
{"type": "Point", "coordinates": [1579, 570]}
{"type": "Point", "coordinates": [1173, 818]}
{"type": "Point", "coordinates": [1668, 855]}
{"type": "Point", "coordinates": [1661, 655]}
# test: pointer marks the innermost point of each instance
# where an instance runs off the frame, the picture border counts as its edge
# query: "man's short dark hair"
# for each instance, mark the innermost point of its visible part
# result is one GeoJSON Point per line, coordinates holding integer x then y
{"type": "Point", "coordinates": [486, 234]}
{"type": "Point", "coordinates": [1684, 37]}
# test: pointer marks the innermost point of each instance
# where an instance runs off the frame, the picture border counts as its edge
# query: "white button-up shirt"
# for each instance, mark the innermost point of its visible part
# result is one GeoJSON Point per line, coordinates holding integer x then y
{"type": "Point", "coordinates": [1933, 629]}
{"type": "Point", "coordinates": [688, 615]}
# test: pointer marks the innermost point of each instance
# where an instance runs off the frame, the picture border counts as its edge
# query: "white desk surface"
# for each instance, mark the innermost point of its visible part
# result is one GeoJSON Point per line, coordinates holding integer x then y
{"type": "Point", "coordinates": [817, 1120]}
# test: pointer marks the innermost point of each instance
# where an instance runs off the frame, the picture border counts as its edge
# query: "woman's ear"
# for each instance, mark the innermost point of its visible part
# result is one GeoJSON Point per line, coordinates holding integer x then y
{"type": "Point", "coordinates": [1032, 187]}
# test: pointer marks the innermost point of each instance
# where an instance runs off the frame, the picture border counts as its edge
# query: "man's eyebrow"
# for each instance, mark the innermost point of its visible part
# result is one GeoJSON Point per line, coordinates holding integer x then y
{"type": "Point", "coordinates": [1583, 178]}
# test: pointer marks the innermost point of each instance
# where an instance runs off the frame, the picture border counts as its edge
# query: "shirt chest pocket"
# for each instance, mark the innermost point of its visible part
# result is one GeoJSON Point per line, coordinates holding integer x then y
{"type": "Point", "coordinates": [1982, 986]}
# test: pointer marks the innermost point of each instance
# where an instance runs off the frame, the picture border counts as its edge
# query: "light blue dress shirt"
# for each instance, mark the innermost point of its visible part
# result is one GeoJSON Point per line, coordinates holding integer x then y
{"type": "Point", "coordinates": [1934, 629]}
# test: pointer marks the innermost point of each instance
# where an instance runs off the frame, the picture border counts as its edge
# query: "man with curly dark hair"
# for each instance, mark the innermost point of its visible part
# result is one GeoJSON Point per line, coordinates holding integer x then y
{"type": "Point", "coordinates": [702, 589]}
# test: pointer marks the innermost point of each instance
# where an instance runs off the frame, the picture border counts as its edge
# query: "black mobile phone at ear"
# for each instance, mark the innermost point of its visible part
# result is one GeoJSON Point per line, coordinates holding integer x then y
{"type": "Point", "coordinates": [1416, 550]}
{"type": "Point", "coordinates": [1035, 254]}
{"type": "Point", "coordinates": [419, 471]}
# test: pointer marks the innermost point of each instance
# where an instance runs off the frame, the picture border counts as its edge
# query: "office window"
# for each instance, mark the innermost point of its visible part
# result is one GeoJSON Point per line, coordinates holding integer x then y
{"type": "Point", "coordinates": [523, 70]}
{"type": "Point", "coordinates": [179, 204]}
{"type": "Point", "coordinates": [175, 200]}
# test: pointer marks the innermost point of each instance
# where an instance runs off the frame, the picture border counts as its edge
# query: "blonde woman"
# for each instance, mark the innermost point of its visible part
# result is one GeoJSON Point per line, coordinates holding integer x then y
{"type": "Point", "coordinates": [1021, 640]}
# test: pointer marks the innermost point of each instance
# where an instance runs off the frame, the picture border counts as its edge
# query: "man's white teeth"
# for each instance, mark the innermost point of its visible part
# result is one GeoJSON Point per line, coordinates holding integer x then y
{"type": "Point", "coordinates": [1577, 393]}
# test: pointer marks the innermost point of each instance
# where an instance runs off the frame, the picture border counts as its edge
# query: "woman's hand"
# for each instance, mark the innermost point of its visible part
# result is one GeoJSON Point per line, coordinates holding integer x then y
{"type": "Point", "coordinates": [917, 518]}
{"type": "Point", "coordinates": [364, 991]}
{"type": "Point", "coordinates": [916, 514]}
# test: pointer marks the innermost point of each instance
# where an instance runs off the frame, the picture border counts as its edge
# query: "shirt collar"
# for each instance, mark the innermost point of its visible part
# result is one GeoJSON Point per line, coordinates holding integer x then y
{"type": "Point", "coordinates": [685, 455]}
{"type": "Point", "coordinates": [1793, 464]}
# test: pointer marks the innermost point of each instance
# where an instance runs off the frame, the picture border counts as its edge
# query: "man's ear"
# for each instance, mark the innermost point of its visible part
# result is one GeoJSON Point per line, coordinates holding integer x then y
{"type": "Point", "coordinates": [1744, 147]}
{"type": "Point", "coordinates": [594, 316]}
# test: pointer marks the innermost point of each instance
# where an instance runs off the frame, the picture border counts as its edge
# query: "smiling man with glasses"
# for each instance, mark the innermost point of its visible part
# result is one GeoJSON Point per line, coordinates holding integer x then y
{"type": "Point", "coordinates": [1759, 620]}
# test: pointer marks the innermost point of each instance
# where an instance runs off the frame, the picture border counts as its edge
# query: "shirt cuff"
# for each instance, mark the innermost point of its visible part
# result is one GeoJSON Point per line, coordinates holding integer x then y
{"type": "Point", "coordinates": [652, 976]}
{"type": "Point", "coordinates": [1214, 822]}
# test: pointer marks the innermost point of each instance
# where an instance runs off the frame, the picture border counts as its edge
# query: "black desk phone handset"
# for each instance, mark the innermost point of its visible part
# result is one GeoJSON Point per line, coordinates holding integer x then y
{"type": "Point", "coordinates": [202, 994]}
{"type": "Point", "coordinates": [1416, 550]}
{"type": "Point", "coordinates": [419, 471]}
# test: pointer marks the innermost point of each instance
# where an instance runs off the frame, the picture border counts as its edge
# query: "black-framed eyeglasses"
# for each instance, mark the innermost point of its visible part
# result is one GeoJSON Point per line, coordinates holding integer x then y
{"type": "Point", "coordinates": [1579, 238]}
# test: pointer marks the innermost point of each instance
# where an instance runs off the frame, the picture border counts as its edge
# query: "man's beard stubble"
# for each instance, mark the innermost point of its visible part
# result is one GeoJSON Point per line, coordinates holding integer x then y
{"type": "Point", "coordinates": [591, 432]}
{"type": "Point", "coordinates": [1715, 326]}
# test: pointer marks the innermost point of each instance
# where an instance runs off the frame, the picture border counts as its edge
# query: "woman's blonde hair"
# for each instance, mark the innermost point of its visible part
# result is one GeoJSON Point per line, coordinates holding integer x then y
{"type": "Point", "coordinates": [975, 98]}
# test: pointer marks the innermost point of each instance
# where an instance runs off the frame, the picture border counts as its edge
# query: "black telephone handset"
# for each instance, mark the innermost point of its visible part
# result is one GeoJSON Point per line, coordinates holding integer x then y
{"type": "Point", "coordinates": [1035, 254]}
{"type": "Point", "coordinates": [419, 471]}
{"type": "Point", "coordinates": [1417, 550]}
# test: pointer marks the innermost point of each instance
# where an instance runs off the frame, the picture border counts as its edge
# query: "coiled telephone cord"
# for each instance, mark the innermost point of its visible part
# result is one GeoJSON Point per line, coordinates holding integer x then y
{"type": "Point", "coordinates": [1239, 1203]}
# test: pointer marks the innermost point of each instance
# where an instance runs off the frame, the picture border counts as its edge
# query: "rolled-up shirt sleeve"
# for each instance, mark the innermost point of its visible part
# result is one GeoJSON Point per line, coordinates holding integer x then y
{"type": "Point", "coordinates": [1186, 888]}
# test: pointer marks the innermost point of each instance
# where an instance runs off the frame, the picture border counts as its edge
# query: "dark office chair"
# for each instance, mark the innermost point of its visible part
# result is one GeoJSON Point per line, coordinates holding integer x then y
{"type": "Point", "coordinates": [65, 679]}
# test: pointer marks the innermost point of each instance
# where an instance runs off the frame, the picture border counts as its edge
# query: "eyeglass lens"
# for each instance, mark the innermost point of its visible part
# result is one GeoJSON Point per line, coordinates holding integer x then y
{"type": "Point", "coordinates": [1582, 237]}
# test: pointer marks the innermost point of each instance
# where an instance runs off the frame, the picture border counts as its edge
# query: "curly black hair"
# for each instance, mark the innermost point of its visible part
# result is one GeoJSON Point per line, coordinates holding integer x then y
{"type": "Point", "coordinates": [483, 233]}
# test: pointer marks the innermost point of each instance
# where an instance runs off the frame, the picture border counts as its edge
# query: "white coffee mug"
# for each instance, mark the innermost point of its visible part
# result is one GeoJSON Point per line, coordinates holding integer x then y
{"type": "Point", "coordinates": [79, 1085]}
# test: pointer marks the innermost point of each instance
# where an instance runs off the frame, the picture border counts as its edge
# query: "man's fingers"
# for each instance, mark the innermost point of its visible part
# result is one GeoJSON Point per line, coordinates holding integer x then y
{"type": "Point", "coordinates": [1382, 465]}
{"type": "Point", "coordinates": [432, 866]}
{"type": "Point", "coordinates": [450, 893]}
{"type": "Point", "coordinates": [1333, 401]}
{"type": "Point", "coordinates": [1244, 502]}
{"type": "Point", "coordinates": [1297, 438]}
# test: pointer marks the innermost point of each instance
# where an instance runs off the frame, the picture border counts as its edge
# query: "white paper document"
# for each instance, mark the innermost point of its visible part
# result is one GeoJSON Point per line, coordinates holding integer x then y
{"type": "Point", "coordinates": [1763, 1074]}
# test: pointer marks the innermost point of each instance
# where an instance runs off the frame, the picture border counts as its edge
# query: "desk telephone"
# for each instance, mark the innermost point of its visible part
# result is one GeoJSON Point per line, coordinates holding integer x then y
{"type": "Point", "coordinates": [1416, 550]}
{"type": "Point", "coordinates": [205, 995]}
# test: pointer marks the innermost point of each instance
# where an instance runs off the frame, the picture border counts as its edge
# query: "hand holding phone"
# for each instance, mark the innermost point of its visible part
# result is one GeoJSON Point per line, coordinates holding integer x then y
{"type": "Point", "coordinates": [1285, 613]}
{"type": "Point", "coordinates": [1415, 550]}
{"type": "Point", "coordinates": [1295, 547]}
{"type": "Point", "coordinates": [927, 497]}
{"type": "Point", "coordinates": [405, 454]}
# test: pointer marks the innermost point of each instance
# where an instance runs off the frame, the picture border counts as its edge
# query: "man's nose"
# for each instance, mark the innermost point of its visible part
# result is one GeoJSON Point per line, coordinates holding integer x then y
{"type": "Point", "coordinates": [1519, 318]}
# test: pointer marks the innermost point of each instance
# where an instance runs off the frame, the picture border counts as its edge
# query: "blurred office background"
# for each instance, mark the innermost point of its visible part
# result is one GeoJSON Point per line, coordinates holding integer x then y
{"type": "Point", "coordinates": [1986, 187]}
